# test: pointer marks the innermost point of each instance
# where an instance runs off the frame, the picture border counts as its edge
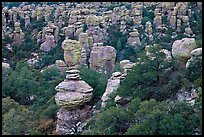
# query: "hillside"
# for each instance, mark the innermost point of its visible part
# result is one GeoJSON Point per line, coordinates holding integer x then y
{"type": "Point", "coordinates": [102, 68]}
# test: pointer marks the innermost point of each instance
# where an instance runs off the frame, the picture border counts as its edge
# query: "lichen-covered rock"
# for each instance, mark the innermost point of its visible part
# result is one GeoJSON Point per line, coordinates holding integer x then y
{"type": "Point", "coordinates": [72, 52]}
{"type": "Point", "coordinates": [72, 95]}
{"type": "Point", "coordinates": [102, 58]}
{"type": "Point", "coordinates": [72, 99]}
{"type": "Point", "coordinates": [72, 92]}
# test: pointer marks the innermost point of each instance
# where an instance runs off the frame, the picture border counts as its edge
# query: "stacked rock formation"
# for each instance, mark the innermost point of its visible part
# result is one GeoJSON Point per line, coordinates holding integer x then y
{"type": "Point", "coordinates": [112, 86]}
{"type": "Point", "coordinates": [115, 15]}
{"type": "Point", "coordinates": [148, 31]}
{"type": "Point", "coordinates": [27, 21]}
{"type": "Point", "coordinates": [18, 35]}
{"type": "Point", "coordinates": [134, 39]}
{"type": "Point", "coordinates": [181, 50]}
{"type": "Point", "coordinates": [72, 96]}
{"type": "Point", "coordinates": [172, 20]}
{"type": "Point", "coordinates": [68, 31]}
{"type": "Point", "coordinates": [126, 65]}
{"type": "Point", "coordinates": [167, 8]}
{"type": "Point", "coordinates": [3, 24]}
{"type": "Point", "coordinates": [157, 20]}
{"type": "Point", "coordinates": [3, 21]}
{"type": "Point", "coordinates": [188, 32]}
{"type": "Point", "coordinates": [94, 29]}
{"type": "Point", "coordinates": [137, 14]}
{"type": "Point", "coordinates": [85, 52]}
{"type": "Point", "coordinates": [72, 52]}
{"type": "Point", "coordinates": [102, 58]}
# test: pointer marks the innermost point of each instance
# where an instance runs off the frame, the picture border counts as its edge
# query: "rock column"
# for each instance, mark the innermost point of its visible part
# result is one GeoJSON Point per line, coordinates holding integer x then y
{"type": "Point", "coordinates": [112, 86]}
{"type": "Point", "coordinates": [85, 52]}
{"type": "Point", "coordinates": [72, 52]}
{"type": "Point", "coordinates": [72, 96]}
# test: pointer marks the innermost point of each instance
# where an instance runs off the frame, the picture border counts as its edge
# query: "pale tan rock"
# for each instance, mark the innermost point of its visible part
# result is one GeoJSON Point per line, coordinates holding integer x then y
{"type": "Point", "coordinates": [112, 86]}
{"type": "Point", "coordinates": [5, 65]}
{"type": "Point", "coordinates": [181, 49]}
{"type": "Point", "coordinates": [196, 56]}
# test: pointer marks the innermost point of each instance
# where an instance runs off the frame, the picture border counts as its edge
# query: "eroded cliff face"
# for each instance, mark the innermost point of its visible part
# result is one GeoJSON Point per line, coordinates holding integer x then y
{"type": "Point", "coordinates": [72, 96]}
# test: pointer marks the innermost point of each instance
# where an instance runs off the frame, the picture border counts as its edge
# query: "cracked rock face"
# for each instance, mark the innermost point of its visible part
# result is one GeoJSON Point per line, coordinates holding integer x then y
{"type": "Point", "coordinates": [102, 58]}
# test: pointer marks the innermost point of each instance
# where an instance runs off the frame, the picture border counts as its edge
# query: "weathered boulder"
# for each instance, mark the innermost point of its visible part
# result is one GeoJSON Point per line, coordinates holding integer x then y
{"type": "Point", "coordinates": [72, 52]}
{"type": "Point", "coordinates": [126, 65]}
{"type": "Point", "coordinates": [196, 52]}
{"type": "Point", "coordinates": [134, 39]}
{"type": "Point", "coordinates": [61, 65]}
{"type": "Point", "coordinates": [112, 86]}
{"type": "Point", "coordinates": [196, 58]}
{"type": "Point", "coordinates": [5, 65]}
{"type": "Point", "coordinates": [181, 49]}
{"type": "Point", "coordinates": [102, 58]}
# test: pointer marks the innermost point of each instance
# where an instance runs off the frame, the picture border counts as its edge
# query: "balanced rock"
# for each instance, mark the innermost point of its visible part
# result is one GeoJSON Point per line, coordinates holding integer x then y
{"type": "Point", "coordinates": [61, 65]}
{"type": "Point", "coordinates": [72, 95]}
{"type": "Point", "coordinates": [72, 92]}
{"type": "Point", "coordinates": [134, 39]}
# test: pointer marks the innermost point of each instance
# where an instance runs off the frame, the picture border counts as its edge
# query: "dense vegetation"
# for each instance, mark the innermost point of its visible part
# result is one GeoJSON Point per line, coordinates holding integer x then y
{"type": "Point", "coordinates": [28, 105]}
{"type": "Point", "coordinates": [154, 109]}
